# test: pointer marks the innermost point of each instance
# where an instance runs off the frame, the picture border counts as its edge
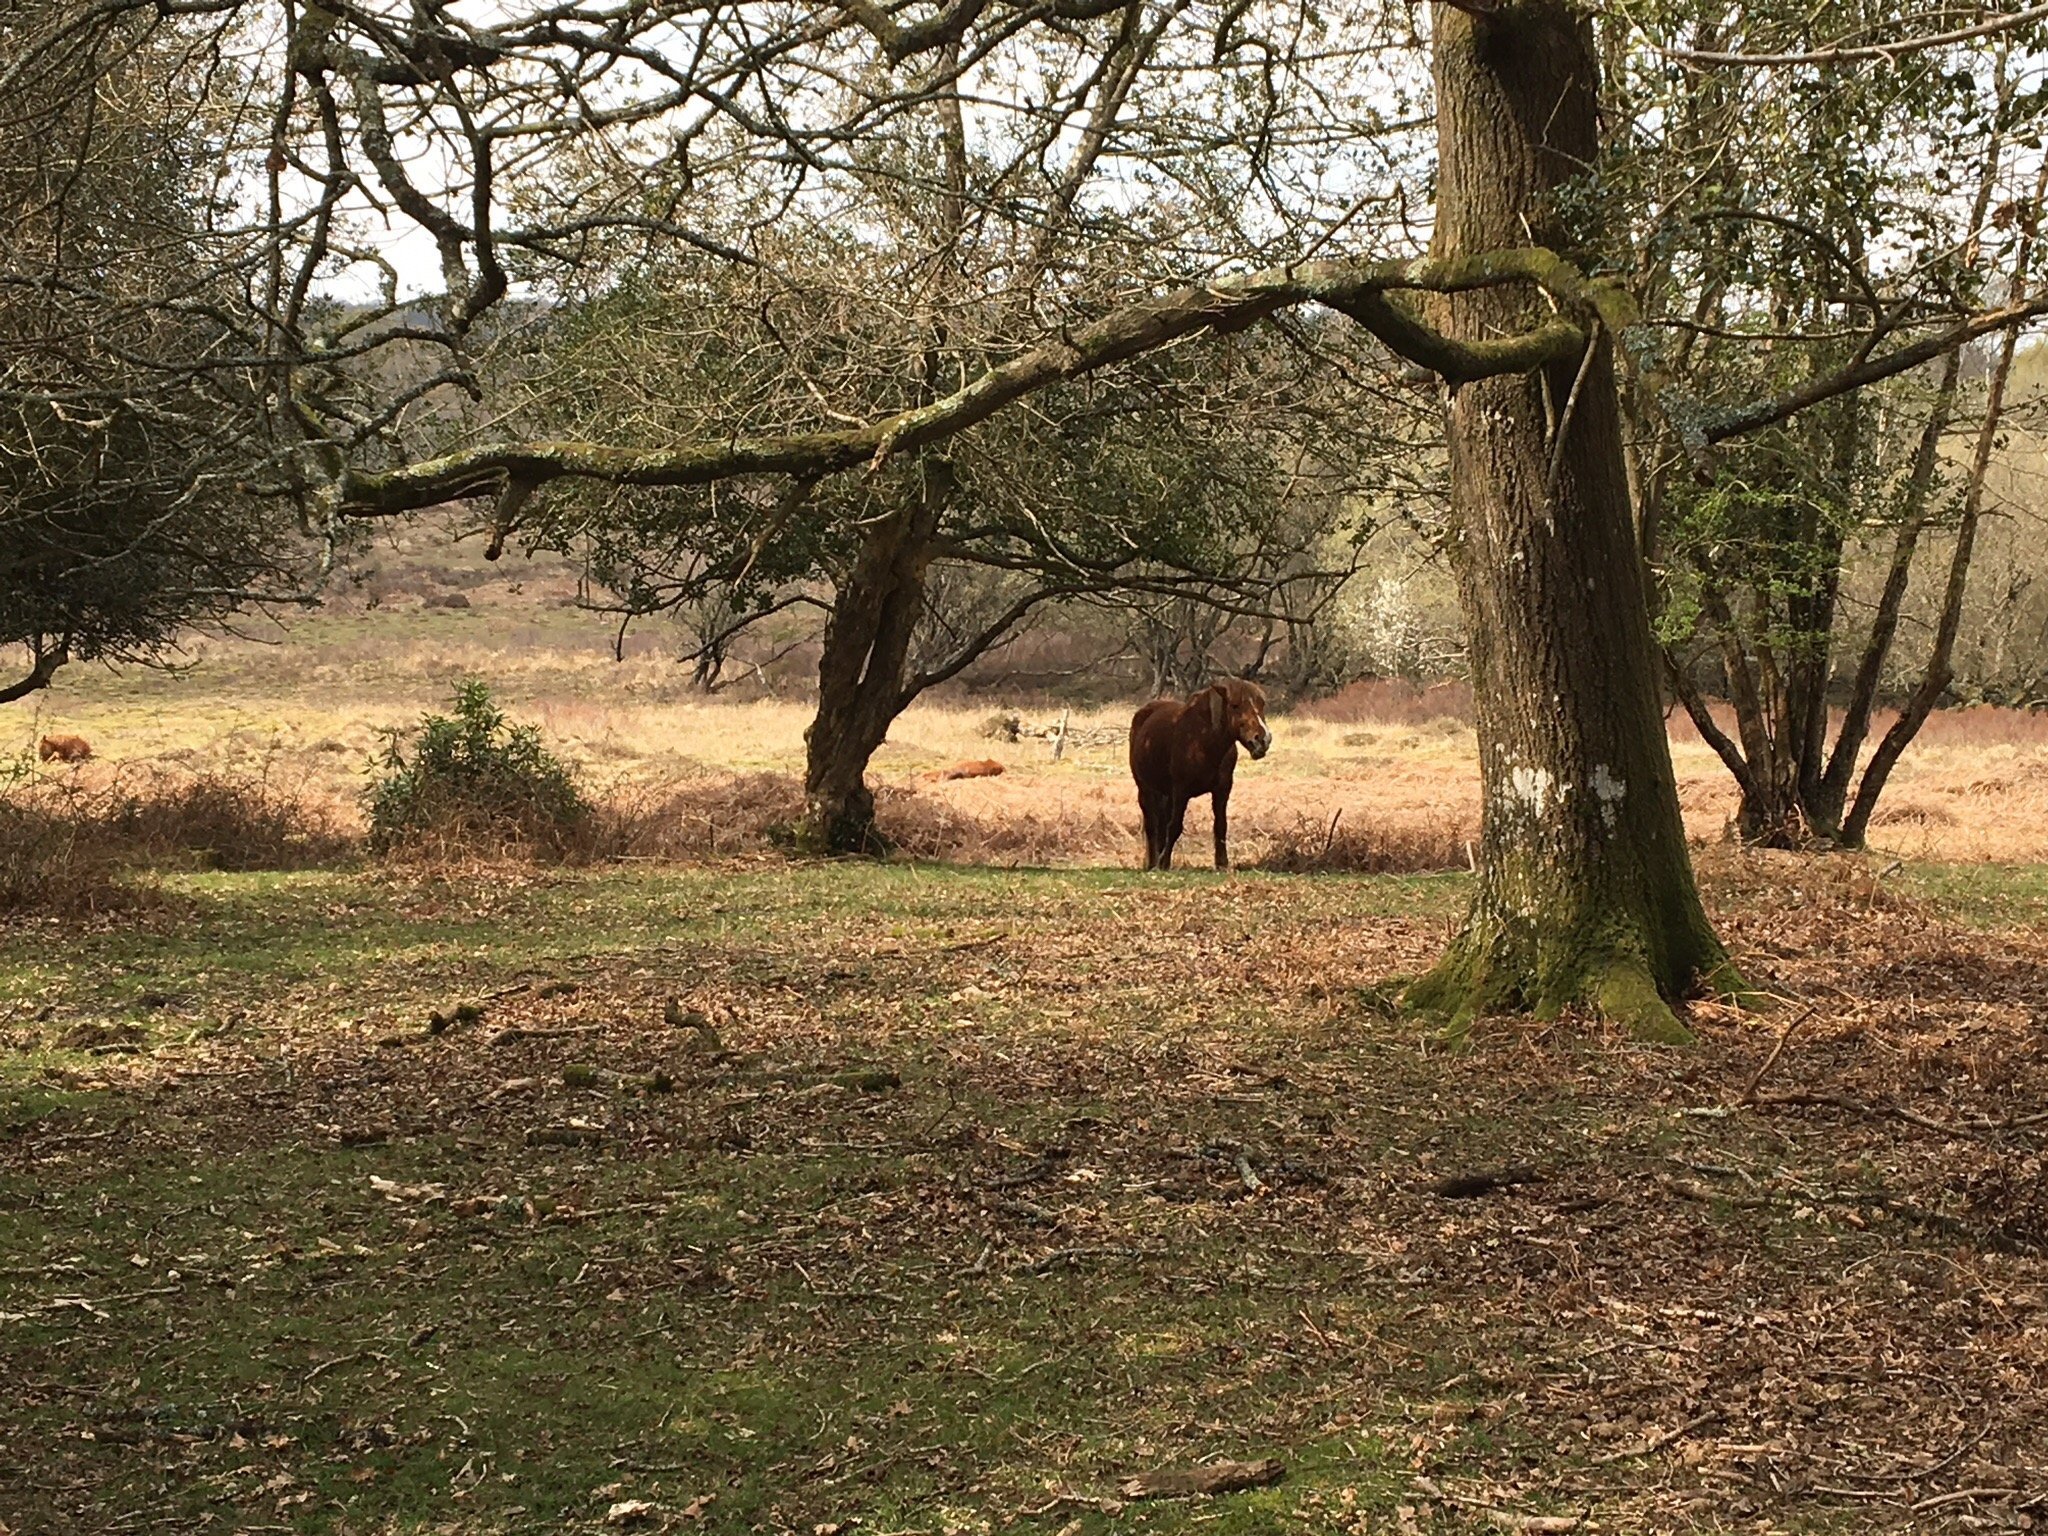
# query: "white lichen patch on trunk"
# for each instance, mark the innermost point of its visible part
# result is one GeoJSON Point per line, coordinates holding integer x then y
{"type": "Point", "coordinates": [1610, 791]}
{"type": "Point", "coordinates": [1531, 787]}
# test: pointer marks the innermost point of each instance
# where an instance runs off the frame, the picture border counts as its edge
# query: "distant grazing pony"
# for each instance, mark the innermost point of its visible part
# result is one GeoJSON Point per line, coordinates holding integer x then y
{"type": "Point", "coordinates": [1180, 751]}
{"type": "Point", "coordinates": [976, 768]}
{"type": "Point", "coordinates": [65, 749]}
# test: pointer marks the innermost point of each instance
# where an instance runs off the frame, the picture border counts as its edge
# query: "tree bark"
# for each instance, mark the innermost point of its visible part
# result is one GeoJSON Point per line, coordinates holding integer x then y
{"type": "Point", "coordinates": [1585, 892]}
{"type": "Point", "coordinates": [43, 664]}
{"type": "Point", "coordinates": [1833, 795]}
{"type": "Point", "coordinates": [861, 673]}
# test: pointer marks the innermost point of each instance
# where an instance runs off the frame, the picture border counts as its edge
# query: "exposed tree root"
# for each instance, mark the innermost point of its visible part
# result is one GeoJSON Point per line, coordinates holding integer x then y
{"type": "Point", "coordinates": [841, 826]}
{"type": "Point", "coordinates": [1607, 968]}
{"type": "Point", "coordinates": [1625, 995]}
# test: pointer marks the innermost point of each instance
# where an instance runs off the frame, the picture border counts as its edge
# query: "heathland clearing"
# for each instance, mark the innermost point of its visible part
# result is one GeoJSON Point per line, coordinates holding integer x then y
{"type": "Point", "coordinates": [1402, 780]}
{"type": "Point", "coordinates": [778, 1196]}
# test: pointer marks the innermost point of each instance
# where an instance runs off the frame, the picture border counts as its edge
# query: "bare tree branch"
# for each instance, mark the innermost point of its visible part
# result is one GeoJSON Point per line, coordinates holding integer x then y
{"type": "Point", "coordinates": [1846, 54]}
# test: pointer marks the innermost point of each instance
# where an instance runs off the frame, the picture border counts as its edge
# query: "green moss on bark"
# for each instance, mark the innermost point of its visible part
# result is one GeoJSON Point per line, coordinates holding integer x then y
{"type": "Point", "coordinates": [1619, 964]}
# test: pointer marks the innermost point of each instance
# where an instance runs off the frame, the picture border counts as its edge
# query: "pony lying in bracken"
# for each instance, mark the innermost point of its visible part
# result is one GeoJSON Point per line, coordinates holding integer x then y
{"type": "Point", "coordinates": [973, 768]}
{"type": "Point", "coordinates": [64, 749]}
{"type": "Point", "coordinates": [1180, 751]}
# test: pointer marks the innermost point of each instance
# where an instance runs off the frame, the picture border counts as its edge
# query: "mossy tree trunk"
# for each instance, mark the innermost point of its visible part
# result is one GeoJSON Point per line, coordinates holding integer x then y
{"type": "Point", "coordinates": [1585, 892]}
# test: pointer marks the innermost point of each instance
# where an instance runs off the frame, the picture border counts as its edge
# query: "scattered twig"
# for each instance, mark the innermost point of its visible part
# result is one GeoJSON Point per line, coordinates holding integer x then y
{"type": "Point", "coordinates": [1998, 1239]}
{"type": "Point", "coordinates": [1657, 1443]}
{"type": "Point", "coordinates": [73, 1138]}
{"type": "Point", "coordinates": [1770, 1061]}
{"type": "Point", "coordinates": [1043, 1171]}
{"type": "Point", "coordinates": [1963, 1495]}
{"type": "Point", "coordinates": [334, 1365]}
{"type": "Point", "coordinates": [1692, 1189]}
{"type": "Point", "coordinates": [97, 1305]}
{"type": "Point", "coordinates": [923, 1132]}
{"type": "Point", "coordinates": [1857, 1107]}
{"type": "Point", "coordinates": [564, 1136]}
{"type": "Point", "coordinates": [1252, 1182]}
{"type": "Point", "coordinates": [1073, 1256]}
{"type": "Point", "coordinates": [1920, 1474]}
{"type": "Point", "coordinates": [837, 1295]}
{"type": "Point", "coordinates": [965, 945]}
{"type": "Point", "coordinates": [1536, 1525]}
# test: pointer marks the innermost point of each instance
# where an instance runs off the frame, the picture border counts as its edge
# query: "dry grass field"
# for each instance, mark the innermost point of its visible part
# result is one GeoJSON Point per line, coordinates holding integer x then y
{"type": "Point", "coordinates": [304, 707]}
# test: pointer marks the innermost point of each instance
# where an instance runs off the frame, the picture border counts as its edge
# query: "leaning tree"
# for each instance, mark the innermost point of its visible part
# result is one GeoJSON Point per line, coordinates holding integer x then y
{"type": "Point", "coordinates": [1241, 163]}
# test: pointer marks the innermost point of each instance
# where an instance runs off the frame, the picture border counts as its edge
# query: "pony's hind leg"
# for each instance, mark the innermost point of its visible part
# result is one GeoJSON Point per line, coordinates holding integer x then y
{"type": "Point", "coordinates": [1155, 812]}
{"type": "Point", "coordinates": [1177, 813]}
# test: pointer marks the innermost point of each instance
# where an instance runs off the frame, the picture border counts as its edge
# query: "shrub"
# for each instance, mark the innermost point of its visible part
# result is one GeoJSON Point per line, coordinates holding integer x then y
{"type": "Point", "coordinates": [471, 776]}
{"type": "Point", "coordinates": [218, 821]}
{"type": "Point", "coordinates": [50, 864]}
{"type": "Point", "coordinates": [716, 817]}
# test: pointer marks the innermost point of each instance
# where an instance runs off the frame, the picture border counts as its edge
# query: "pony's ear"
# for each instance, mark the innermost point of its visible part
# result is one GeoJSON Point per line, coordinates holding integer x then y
{"type": "Point", "coordinates": [1216, 707]}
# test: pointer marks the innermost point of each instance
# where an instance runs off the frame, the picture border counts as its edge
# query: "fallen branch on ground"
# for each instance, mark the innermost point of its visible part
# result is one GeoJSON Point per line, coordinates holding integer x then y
{"type": "Point", "coordinates": [1465, 1186]}
{"type": "Point", "coordinates": [1195, 1482]}
{"type": "Point", "coordinates": [1756, 1078]}
{"type": "Point", "coordinates": [1857, 1107]}
{"type": "Point", "coordinates": [1059, 1256]}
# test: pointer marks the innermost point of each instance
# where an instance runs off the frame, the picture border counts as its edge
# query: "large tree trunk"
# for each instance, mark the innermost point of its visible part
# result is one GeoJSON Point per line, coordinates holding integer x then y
{"type": "Point", "coordinates": [861, 676]}
{"type": "Point", "coordinates": [1585, 892]}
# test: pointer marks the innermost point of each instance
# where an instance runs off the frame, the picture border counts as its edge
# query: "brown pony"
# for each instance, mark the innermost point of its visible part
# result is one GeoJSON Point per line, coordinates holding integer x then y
{"type": "Point", "coordinates": [1179, 751]}
{"type": "Point", "coordinates": [973, 768]}
{"type": "Point", "coordinates": [65, 749]}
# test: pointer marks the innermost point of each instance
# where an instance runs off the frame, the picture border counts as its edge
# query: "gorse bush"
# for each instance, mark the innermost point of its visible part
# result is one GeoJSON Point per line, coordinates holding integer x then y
{"type": "Point", "coordinates": [473, 778]}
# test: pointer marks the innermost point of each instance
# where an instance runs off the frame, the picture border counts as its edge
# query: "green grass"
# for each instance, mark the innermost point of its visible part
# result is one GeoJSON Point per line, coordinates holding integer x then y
{"type": "Point", "coordinates": [1985, 895]}
{"type": "Point", "coordinates": [1150, 1192]}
